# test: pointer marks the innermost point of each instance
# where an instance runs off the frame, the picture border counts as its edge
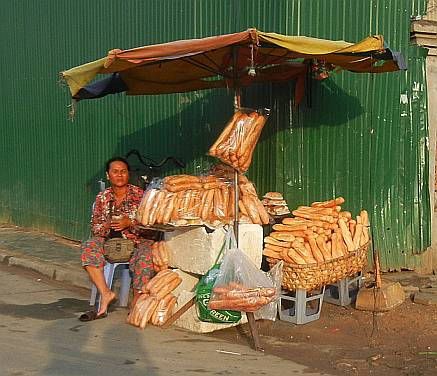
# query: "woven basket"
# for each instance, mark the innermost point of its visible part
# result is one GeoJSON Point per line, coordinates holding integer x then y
{"type": "Point", "coordinates": [314, 276]}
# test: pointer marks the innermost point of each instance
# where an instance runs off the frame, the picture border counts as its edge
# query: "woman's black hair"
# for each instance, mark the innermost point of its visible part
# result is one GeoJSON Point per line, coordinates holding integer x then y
{"type": "Point", "coordinates": [116, 159]}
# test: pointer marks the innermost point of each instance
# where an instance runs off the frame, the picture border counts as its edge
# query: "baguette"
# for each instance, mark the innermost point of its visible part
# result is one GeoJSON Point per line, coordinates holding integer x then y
{"type": "Point", "coordinates": [242, 207]}
{"type": "Point", "coordinates": [151, 197]}
{"type": "Point", "coordinates": [231, 202]}
{"type": "Point", "coordinates": [328, 204]}
{"type": "Point", "coordinates": [307, 222]}
{"type": "Point", "coordinates": [295, 257]}
{"type": "Point", "coordinates": [218, 204]}
{"type": "Point", "coordinates": [317, 253]}
{"type": "Point", "coordinates": [252, 210]}
{"type": "Point", "coordinates": [169, 287]}
{"type": "Point", "coordinates": [225, 133]}
{"type": "Point", "coordinates": [208, 204]}
{"type": "Point", "coordinates": [139, 310]}
{"type": "Point", "coordinates": [301, 249]}
{"type": "Point", "coordinates": [142, 205]}
{"type": "Point", "coordinates": [271, 253]}
{"type": "Point", "coordinates": [289, 228]}
{"type": "Point", "coordinates": [323, 248]}
{"type": "Point", "coordinates": [155, 279]}
{"type": "Point", "coordinates": [320, 211]}
{"type": "Point", "coordinates": [181, 179]}
{"type": "Point", "coordinates": [162, 246]}
{"type": "Point", "coordinates": [275, 248]}
{"type": "Point", "coordinates": [162, 304]}
{"type": "Point", "coordinates": [168, 209]}
{"type": "Point", "coordinates": [345, 214]}
{"type": "Point", "coordinates": [263, 215]}
{"type": "Point", "coordinates": [166, 313]}
{"type": "Point", "coordinates": [357, 235]}
{"type": "Point", "coordinates": [156, 206]}
{"type": "Point", "coordinates": [225, 195]}
{"type": "Point", "coordinates": [251, 128]}
{"type": "Point", "coordinates": [152, 302]}
{"type": "Point", "coordinates": [364, 217]}
{"type": "Point", "coordinates": [347, 237]}
{"type": "Point", "coordinates": [306, 215]}
{"type": "Point", "coordinates": [162, 282]}
{"type": "Point", "coordinates": [335, 251]}
{"type": "Point", "coordinates": [163, 207]}
{"type": "Point", "coordinates": [273, 241]}
{"type": "Point", "coordinates": [287, 258]}
{"type": "Point", "coordinates": [283, 236]}
{"type": "Point", "coordinates": [182, 187]}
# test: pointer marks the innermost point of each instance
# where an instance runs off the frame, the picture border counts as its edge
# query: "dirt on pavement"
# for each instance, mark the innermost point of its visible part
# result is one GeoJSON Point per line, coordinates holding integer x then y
{"type": "Point", "coordinates": [345, 341]}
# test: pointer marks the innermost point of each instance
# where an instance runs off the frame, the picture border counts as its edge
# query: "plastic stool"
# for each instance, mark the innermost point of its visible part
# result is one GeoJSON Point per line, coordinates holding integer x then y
{"type": "Point", "coordinates": [109, 271]}
{"type": "Point", "coordinates": [293, 306]}
{"type": "Point", "coordinates": [345, 291]}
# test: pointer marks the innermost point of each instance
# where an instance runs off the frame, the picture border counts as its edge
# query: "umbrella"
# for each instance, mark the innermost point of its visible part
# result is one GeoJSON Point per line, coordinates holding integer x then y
{"type": "Point", "coordinates": [230, 60]}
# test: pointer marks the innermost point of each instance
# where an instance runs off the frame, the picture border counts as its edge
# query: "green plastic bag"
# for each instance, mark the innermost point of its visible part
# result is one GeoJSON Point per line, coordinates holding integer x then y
{"type": "Point", "coordinates": [204, 288]}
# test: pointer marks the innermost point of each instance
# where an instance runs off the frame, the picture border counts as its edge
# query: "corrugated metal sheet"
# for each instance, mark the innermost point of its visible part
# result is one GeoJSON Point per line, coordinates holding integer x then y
{"type": "Point", "coordinates": [357, 139]}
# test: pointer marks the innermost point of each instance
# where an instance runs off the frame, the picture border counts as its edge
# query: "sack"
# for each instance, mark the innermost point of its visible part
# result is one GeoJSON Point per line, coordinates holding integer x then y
{"type": "Point", "coordinates": [203, 293]}
{"type": "Point", "coordinates": [118, 250]}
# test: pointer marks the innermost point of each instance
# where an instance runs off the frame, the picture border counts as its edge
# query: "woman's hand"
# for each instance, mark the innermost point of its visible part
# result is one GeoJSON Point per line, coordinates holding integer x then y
{"type": "Point", "coordinates": [120, 224]}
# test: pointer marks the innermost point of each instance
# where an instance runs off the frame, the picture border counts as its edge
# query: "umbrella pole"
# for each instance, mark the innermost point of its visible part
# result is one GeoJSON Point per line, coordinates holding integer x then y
{"type": "Point", "coordinates": [237, 99]}
{"type": "Point", "coordinates": [250, 316]}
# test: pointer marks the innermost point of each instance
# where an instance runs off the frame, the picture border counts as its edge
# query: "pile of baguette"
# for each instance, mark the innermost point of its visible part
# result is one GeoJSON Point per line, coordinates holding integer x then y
{"type": "Point", "coordinates": [159, 256]}
{"type": "Point", "coordinates": [183, 200]}
{"type": "Point", "coordinates": [156, 303]}
{"type": "Point", "coordinates": [237, 297]}
{"type": "Point", "coordinates": [237, 142]}
{"type": "Point", "coordinates": [317, 233]}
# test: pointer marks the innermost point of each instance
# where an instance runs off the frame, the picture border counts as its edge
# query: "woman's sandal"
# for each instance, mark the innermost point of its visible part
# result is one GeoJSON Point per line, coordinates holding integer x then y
{"type": "Point", "coordinates": [92, 315]}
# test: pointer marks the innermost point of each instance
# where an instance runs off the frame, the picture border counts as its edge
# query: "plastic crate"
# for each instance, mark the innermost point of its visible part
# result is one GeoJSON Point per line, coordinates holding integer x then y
{"type": "Point", "coordinates": [345, 291]}
{"type": "Point", "coordinates": [299, 306]}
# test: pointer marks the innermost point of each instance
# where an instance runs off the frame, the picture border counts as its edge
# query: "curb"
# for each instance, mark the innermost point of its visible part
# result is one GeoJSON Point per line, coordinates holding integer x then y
{"type": "Point", "coordinates": [56, 272]}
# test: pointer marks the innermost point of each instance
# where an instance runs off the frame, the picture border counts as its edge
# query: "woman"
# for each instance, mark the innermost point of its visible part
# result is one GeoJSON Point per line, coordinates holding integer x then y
{"type": "Point", "coordinates": [114, 215]}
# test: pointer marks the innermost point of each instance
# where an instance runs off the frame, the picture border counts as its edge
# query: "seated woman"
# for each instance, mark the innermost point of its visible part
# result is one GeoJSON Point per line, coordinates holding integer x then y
{"type": "Point", "coordinates": [114, 215]}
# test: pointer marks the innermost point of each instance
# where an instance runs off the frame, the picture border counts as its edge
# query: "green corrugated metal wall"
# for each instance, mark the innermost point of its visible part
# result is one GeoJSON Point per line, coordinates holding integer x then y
{"type": "Point", "coordinates": [352, 136]}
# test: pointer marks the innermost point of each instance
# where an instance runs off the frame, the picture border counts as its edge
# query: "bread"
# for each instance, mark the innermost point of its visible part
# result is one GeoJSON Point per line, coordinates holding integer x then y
{"type": "Point", "coordinates": [283, 236]}
{"type": "Point", "coordinates": [328, 204]}
{"type": "Point", "coordinates": [274, 196]}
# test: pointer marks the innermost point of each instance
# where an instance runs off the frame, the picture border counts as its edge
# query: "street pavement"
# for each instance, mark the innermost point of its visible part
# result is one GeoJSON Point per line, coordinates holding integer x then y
{"type": "Point", "coordinates": [41, 335]}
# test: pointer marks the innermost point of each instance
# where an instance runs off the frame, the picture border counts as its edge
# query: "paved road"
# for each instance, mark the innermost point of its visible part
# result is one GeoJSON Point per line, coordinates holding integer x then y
{"type": "Point", "coordinates": [40, 335]}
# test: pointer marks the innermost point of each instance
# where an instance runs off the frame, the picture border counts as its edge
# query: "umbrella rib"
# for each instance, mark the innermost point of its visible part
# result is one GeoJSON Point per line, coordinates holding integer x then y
{"type": "Point", "coordinates": [279, 58]}
{"type": "Point", "coordinates": [203, 66]}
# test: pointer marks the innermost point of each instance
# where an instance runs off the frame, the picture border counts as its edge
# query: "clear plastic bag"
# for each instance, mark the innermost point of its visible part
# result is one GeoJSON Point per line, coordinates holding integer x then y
{"type": "Point", "coordinates": [237, 142]}
{"type": "Point", "coordinates": [184, 200]}
{"type": "Point", "coordinates": [241, 286]}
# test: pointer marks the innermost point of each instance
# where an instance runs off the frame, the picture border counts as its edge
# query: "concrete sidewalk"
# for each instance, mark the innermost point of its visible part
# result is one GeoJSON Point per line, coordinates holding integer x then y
{"type": "Point", "coordinates": [51, 255]}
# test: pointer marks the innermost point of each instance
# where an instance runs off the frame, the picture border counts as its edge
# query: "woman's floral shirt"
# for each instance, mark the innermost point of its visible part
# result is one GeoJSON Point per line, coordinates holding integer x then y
{"type": "Point", "coordinates": [105, 207]}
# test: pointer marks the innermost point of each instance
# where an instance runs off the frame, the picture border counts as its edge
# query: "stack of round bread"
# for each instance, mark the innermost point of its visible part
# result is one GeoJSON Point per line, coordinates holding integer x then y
{"type": "Point", "coordinates": [156, 302]}
{"type": "Point", "coordinates": [275, 204]}
{"type": "Point", "coordinates": [183, 200]}
{"type": "Point", "coordinates": [317, 233]}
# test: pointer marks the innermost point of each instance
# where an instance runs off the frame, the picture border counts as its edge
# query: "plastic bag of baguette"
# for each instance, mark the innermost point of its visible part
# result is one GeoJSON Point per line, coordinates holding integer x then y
{"type": "Point", "coordinates": [241, 286]}
{"type": "Point", "coordinates": [237, 142]}
{"type": "Point", "coordinates": [147, 212]}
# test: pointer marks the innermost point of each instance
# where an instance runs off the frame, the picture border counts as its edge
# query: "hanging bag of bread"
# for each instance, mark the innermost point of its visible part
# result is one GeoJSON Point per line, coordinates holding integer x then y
{"type": "Point", "coordinates": [237, 142]}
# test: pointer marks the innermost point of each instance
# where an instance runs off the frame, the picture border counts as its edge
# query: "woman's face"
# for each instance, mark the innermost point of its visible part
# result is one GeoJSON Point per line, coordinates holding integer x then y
{"type": "Point", "coordinates": [118, 174]}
